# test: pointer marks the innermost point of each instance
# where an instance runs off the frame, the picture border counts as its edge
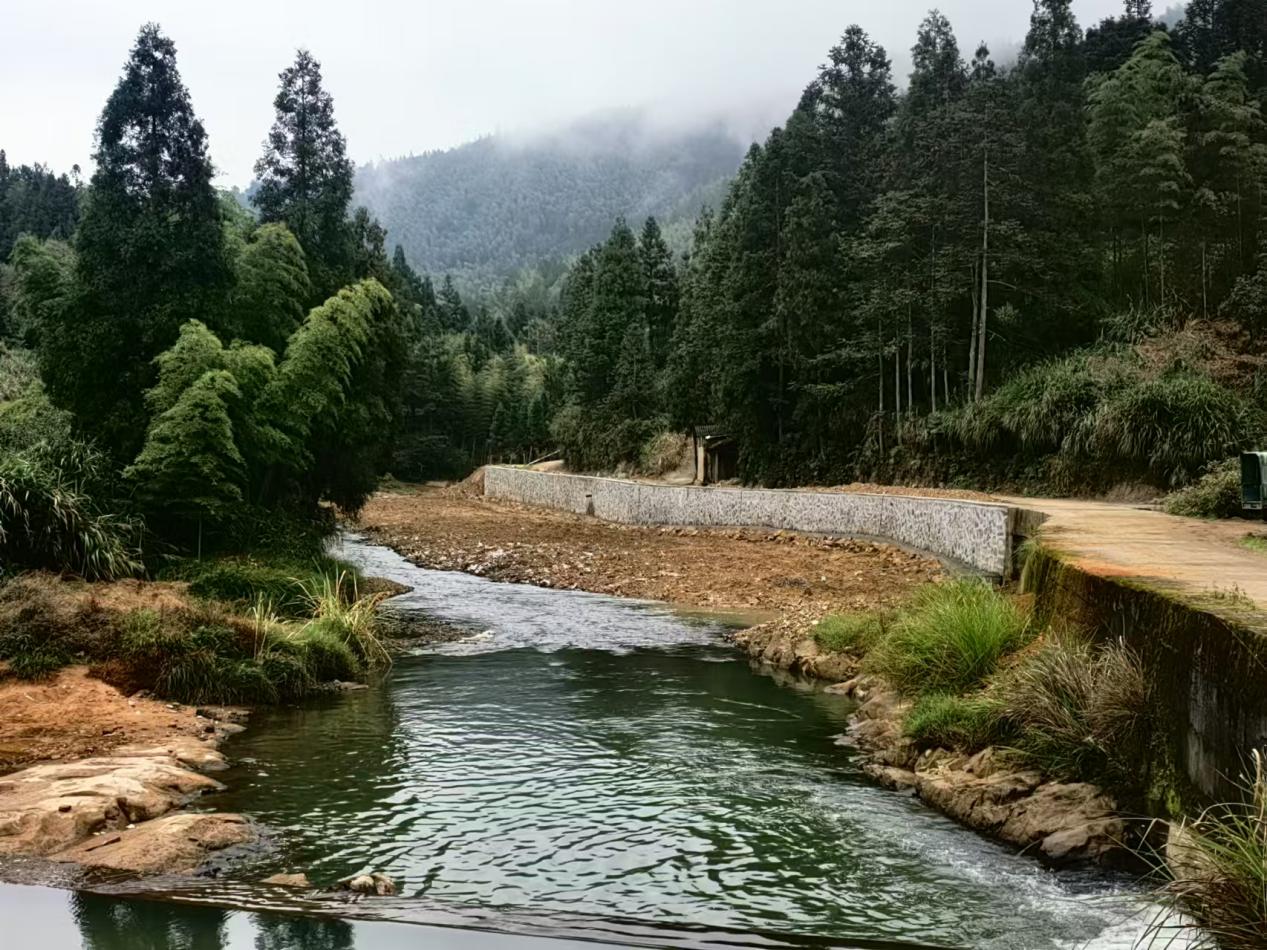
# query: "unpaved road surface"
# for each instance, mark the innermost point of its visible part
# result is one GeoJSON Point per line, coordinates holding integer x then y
{"type": "Point", "coordinates": [729, 569]}
{"type": "Point", "coordinates": [1197, 559]}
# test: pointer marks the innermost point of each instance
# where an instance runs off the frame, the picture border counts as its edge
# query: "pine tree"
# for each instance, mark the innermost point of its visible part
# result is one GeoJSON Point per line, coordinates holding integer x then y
{"type": "Point", "coordinates": [305, 175]}
{"type": "Point", "coordinates": [150, 250]}
{"type": "Point", "coordinates": [662, 289]}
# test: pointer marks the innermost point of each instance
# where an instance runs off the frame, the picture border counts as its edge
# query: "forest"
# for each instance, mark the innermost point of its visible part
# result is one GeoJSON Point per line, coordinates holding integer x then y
{"type": "Point", "coordinates": [483, 210]}
{"type": "Point", "coordinates": [1046, 275]}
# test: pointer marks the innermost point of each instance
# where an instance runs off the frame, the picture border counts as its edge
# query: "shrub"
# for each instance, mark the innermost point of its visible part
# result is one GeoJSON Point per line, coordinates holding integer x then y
{"type": "Point", "coordinates": [1082, 711]}
{"type": "Point", "coordinates": [849, 633]}
{"type": "Point", "coordinates": [1219, 864]}
{"type": "Point", "coordinates": [951, 638]}
{"type": "Point", "coordinates": [1216, 494]}
{"type": "Point", "coordinates": [663, 453]}
{"type": "Point", "coordinates": [967, 723]}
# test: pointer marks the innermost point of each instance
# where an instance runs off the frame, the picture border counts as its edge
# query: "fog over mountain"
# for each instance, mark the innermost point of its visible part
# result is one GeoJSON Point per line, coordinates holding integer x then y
{"type": "Point", "coordinates": [409, 77]}
{"type": "Point", "coordinates": [482, 209]}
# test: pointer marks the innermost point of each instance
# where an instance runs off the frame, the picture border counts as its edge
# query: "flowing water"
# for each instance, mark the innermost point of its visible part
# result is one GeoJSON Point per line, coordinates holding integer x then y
{"type": "Point", "coordinates": [580, 767]}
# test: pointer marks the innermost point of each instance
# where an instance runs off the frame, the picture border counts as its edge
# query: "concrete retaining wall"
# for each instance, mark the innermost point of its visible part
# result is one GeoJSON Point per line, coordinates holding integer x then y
{"type": "Point", "coordinates": [974, 534]}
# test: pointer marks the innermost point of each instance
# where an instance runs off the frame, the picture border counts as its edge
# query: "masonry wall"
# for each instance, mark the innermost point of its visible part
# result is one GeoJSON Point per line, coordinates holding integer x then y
{"type": "Point", "coordinates": [973, 534]}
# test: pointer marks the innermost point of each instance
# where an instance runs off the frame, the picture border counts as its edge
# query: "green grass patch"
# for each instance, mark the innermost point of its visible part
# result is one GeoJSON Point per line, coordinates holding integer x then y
{"type": "Point", "coordinates": [849, 633]}
{"type": "Point", "coordinates": [966, 723]}
{"type": "Point", "coordinates": [281, 581]}
{"type": "Point", "coordinates": [1255, 542]}
{"type": "Point", "coordinates": [951, 638]}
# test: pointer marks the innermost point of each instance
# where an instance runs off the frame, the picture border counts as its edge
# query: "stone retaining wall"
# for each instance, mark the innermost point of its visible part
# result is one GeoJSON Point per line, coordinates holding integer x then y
{"type": "Point", "coordinates": [973, 534]}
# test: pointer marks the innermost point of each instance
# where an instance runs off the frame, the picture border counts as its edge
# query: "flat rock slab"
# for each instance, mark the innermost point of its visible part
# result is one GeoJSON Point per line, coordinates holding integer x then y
{"type": "Point", "coordinates": [174, 844]}
{"type": "Point", "coordinates": [49, 810]}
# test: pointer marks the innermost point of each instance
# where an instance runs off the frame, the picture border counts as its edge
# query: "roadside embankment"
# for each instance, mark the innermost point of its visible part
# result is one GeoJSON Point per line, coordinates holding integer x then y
{"type": "Point", "coordinates": [975, 534]}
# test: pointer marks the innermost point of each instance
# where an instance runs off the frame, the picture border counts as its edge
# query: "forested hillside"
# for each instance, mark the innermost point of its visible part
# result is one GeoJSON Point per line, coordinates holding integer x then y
{"type": "Point", "coordinates": [485, 209]}
{"type": "Point", "coordinates": [1051, 274]}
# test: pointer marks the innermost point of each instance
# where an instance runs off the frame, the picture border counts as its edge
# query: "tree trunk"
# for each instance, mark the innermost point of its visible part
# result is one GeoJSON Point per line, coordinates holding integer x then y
{"type": "Point", "coordinates": [985, 275]}
{"type": "Point", "coordinates": [972, 334]}
{"type": "Point", "coordinates": [910, 353]}
{"type": "Point", "coordinates": [879, 345]}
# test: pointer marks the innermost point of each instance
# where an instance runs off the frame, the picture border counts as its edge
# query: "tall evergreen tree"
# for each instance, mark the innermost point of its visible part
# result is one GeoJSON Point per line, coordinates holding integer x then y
{"type": "Point", "coordinates": [662, 289]}
{"type": "Point", "coordinates": [305, 175]}
{"type": "Point", "coordinates": [150, 249]}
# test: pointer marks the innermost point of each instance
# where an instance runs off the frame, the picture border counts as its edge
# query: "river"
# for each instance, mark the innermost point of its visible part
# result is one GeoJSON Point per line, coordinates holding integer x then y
{"type": "Point", "coordinates": [577, 767]}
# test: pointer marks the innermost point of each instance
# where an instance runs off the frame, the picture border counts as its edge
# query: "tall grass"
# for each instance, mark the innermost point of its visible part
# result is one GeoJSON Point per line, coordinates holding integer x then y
{"type": "Point", "coordinates": [341, 614]}
{"type": "Point", "coordinates": [1220, 873]}
{"type": "Point", "coordinates": [1097, 418]}
{"type": "Point", "coordinates": [48, 521]}
{"type": "Point", "coordinates": [951, 638]}
{"type": "Point", "coordinates": [1081, 710]}
{"type": "Point", "coordinates": [1170, 426]}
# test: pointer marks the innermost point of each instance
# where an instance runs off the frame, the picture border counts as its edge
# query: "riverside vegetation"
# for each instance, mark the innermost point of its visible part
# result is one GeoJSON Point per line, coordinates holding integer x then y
{"type": "Point", "coordinates": [980, 674]}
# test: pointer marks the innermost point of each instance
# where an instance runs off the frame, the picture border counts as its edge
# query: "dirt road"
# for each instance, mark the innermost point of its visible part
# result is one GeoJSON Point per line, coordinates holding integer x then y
{"type": "Point", "coordinates": [734, 569]}
{"type": "Point", "coordinates": [1200, 560]}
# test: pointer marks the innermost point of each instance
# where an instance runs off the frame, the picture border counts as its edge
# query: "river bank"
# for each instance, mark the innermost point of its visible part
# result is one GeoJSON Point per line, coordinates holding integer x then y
{"type": "Point", "coordinates": [115, 696]}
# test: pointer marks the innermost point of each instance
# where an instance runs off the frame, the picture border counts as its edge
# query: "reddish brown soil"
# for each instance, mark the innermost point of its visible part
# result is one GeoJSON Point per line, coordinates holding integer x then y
{"type": "Point", "coordinates": [739, 569]}
{"type": "Point", "coordinates": [73, 715]}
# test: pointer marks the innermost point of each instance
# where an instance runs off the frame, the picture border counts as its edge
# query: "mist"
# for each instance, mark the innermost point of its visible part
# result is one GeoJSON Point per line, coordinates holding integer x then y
{"type": "Point", "coordinates": [413, 77]}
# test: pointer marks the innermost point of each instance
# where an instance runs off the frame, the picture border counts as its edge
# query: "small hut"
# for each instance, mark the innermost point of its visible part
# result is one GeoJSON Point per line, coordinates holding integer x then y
{"type": "Point", "coordinates": [716, 455]}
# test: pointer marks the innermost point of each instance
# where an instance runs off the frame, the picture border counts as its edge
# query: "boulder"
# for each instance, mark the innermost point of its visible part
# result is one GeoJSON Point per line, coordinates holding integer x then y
{"type": "Point", "coordinates": [372, 883]}
{"type": "Point", "coordinates": [46, 809]}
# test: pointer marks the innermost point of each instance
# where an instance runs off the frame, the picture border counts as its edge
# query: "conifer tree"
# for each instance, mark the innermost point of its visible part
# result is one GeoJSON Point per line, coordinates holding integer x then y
{"type": "Point", "coordinates": [662, 289]}
{"type": "Point", "coordinates": [150, 250]}
{"type": "Point", "coordinates": [305, 175]}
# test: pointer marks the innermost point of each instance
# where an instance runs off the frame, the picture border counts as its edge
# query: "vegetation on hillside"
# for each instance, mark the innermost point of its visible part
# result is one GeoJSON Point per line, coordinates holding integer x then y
{"type": "Point", "coordinates": [969, 281]}
{"type": "Point", "coordinates": [486, 209]}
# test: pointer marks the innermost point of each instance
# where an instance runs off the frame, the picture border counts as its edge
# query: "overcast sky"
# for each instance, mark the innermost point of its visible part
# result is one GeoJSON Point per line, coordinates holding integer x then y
{"type": "Point", "coordinates": [413, 75]}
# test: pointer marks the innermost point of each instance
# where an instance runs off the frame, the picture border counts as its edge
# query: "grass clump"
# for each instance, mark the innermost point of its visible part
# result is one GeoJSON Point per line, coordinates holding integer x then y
{"type": "Point", "coordinates": [1081, 710]}
{"type": "Point", "coordinates": [951, 638]}
{"type": "Point", "coordinates": [281, 581]}
{"type": "Point", "coordinates": [341, 614]}
{"type": "Point", "coordinates": [849, 633]}
{"type": "Point", "coordinates": [966, 723]}
{"type": "Point", "coordinates": [1216, 494]}
{"type": "Point", "coordinates": [1219, 868]}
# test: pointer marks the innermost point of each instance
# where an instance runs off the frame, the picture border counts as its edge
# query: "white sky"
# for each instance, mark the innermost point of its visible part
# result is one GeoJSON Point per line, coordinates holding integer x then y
{"type": "Point", "coordinates": [411, 76]}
